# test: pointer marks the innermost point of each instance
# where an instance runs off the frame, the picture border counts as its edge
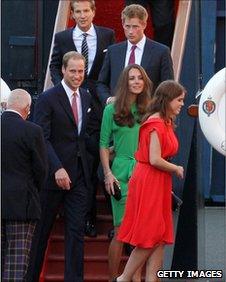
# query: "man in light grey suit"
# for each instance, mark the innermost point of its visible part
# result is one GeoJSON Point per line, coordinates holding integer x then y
{"type": "Point", "coordinates": [154, 57]}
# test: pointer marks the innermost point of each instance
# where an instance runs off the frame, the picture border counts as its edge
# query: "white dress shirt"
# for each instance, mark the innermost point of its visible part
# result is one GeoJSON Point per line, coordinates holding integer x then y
{"type": "Point", "coordinates": [138, 51]}
{"type": "Point", "coordinates": [91, 42]}
{"type": "Point", "coordinates": [70, 94]}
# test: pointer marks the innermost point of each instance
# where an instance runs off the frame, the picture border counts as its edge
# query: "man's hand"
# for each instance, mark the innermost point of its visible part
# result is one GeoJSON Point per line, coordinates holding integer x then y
{"type": "Point", "coordinates": [62, 179]}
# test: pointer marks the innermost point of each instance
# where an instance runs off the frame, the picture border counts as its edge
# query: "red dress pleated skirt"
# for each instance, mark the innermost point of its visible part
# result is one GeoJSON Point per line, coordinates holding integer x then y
{"type": "Point", "coordinates": [148, 220]}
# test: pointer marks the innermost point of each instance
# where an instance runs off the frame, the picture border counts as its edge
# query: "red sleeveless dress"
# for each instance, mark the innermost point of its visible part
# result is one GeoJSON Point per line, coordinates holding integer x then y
{"type": "Point", "coordinates": [148, 216]}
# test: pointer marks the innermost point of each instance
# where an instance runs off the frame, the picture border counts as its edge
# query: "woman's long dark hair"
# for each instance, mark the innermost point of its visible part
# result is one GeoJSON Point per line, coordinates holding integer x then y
{"type": "Point", "coordinates": [163, 95]}
{"type": "Point", "coordinates": [123, 115]}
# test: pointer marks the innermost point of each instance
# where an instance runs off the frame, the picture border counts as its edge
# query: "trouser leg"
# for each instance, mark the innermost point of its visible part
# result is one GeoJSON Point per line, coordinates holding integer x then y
{"type": "Point", "coordinates": [75, 207]}
{"type": "Point", "coordinates": [50, 202]}
{"type": "Point", "coordinates": [18, 236]}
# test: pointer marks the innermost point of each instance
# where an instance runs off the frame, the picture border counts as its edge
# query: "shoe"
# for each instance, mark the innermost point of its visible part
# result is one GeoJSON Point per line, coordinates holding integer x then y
{"type": "Point", "coordinates": [111, 233]}
{"type": "Point", "coordinates": [90, 230]}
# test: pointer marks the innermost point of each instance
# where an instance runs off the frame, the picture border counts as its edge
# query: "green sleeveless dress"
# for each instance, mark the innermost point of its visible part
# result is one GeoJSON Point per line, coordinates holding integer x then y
{"type": "Point", "coordinates": [125, 140]}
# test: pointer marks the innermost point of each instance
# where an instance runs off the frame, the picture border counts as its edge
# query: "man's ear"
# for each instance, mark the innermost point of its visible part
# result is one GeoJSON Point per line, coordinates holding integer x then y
{"type": "Point", "coordinates": [144, 24]}
{"type": "Point", "coordinates": [63, 70]}
{"type": "Point", "coordinates": [26, 112]}
{"type": "Point", "coordinates": [28, 108]}
{"type": "Point", "coordinates": [72, 14]}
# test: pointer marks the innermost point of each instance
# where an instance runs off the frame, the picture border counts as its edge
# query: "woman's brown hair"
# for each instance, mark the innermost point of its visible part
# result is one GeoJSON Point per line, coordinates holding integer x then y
{"type": "Point", "coordinates": [163, 95]}
{"type": "Point", "coordinates": [123, 115]}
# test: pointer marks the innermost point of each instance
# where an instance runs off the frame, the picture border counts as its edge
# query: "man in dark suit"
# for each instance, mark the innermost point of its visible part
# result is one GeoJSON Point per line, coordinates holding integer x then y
{"type": "Point", "coordinates": [162, 15]}
{"type": "Point", "coordinates": [152, 56]}
{"type": "Point", "coordinates": [24, 166]}
{"type": "Point", "coordinates": [93, 46]}
{"type": "Point", "coordinates": [62, 112]}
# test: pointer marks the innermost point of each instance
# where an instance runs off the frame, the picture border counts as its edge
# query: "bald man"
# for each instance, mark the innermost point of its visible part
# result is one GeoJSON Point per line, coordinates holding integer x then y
{"type": "Point", "coordinates": [24, 165]}
{"type": "Point", "coordinates": [5, 91]}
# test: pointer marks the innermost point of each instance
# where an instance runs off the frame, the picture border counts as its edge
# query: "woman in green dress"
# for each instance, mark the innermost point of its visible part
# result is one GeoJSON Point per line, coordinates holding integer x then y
{"type": "Point", "coordinates": [120, 128]}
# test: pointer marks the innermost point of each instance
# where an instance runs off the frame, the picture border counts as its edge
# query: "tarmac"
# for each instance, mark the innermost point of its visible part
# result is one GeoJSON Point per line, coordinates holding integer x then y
{"type": "Point", "coordinates": [211, 244]}
{"type": "Point", "coordinates": [215, 239]}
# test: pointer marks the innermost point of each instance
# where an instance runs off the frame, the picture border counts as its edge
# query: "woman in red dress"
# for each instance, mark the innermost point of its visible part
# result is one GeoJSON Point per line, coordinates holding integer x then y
{"type": "Point", "coordinates": [147, 222]}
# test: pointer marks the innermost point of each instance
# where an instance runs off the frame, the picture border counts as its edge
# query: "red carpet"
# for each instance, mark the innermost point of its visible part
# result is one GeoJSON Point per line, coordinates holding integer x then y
{"type": "Point", "coordinates": [96, 249]}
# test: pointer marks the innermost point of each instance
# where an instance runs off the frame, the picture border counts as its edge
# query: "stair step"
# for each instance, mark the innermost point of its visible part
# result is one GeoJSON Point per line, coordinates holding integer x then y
{"type": "Point", "coordinates": [90, 258]}
{"type": "Point", "coordinates": [102, 207]}
{"type": "Point", "coordinates": [92, 265]}
{"type": "Point", "coordinates": [98, 245]}
{"type": "Point", "coordinates": [87, 278]}
{"type": "Point", "coordinates": [103, 225]}
{"type": "Point", "coordinates": [95, 249]}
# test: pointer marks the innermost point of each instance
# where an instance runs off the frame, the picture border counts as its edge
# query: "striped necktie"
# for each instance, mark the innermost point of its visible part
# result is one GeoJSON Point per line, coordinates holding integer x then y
{"type": "Point", "coordinates": [84, 51]}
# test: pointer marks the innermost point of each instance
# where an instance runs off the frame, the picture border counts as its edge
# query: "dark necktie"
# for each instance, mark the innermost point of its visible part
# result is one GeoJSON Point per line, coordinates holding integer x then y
{"type": "Point", "coordinates": [75, 107]}
{"type": "Point", "coordinates": [84, 51]}
{"type": "Point", "coordinates": [132, 55]}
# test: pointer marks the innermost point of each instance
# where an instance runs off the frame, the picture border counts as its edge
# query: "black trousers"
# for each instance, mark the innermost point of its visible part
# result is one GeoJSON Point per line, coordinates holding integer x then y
{"type": "Point", "coordinates": [74, 204]}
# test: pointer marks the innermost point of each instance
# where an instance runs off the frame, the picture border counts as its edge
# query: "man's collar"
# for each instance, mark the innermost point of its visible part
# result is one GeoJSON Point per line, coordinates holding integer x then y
{"type": "Point", "coordinates": [68, 90]}
{"type": "Point", "coordinates": [79, 32]}
{"type": "Point", "coordinates": [139, 44]}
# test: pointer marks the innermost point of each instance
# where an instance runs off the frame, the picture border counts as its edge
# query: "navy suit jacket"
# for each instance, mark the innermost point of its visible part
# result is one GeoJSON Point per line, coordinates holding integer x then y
{"type": "Point", "coordinates": [24, 167]}
{"type": "Point", "coordinates": [64, 43]}
{"type": "Point", "coordinates": [156, 60]}
{"type": "Point", "coordinates": [54, 114]}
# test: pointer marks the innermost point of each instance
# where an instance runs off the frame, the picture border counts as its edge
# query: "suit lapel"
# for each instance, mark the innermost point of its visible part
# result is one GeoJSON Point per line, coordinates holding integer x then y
{"type": "Point", "coordinates": [69, 40]}
{"type": "Point", "coordinates": [85, 104]}
{"type": "Point", "coordinates": [98, 50]}
{"type": "Point", "coordinates": [63, 99]}
{"type": "Point", "coordinates": [148, 55]}
{"type": "Point", "coordinates": [121, 56]}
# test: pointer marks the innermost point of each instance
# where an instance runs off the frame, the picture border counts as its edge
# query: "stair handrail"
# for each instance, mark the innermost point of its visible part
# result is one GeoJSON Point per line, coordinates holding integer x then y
{"type": "Point", "coordinates": [180, 35]}
{"type": "Point", "coordinates": [60, 24]}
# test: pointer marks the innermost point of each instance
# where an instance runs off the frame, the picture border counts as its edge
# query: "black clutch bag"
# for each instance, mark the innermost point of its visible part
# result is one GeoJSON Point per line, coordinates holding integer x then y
{"type": "Point", "coordinates": [117, 195]}
{"type": "Point", "coordinates": [176, 202]}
